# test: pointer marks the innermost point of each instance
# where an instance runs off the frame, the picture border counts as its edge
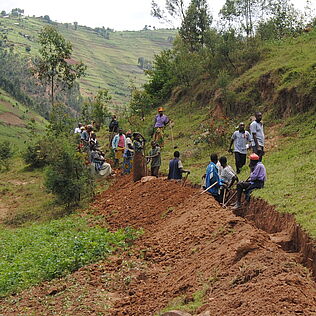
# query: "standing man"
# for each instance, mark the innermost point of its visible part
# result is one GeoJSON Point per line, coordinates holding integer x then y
{"type": "Point", "coordinates": [256, 180]}
{"type": "Point", "coordinates": [161, 121]}
{"type": "Point", "coordinates": [155, 158]}
{"type": "Point", "coordinates": [113, 128]}
{"type": "Point", "coordinates": [118, 145]}
{"type": "Point", "coordinates": [212, 177]}
{"type": "Point", "coordinates": [176, 167]}
{"type": "Point", "coordinates": [257, 135]}
{"type": "Point", "coordinates": [240, 139]}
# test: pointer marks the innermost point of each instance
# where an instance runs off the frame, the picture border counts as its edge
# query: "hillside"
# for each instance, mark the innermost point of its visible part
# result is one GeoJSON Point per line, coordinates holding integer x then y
{"type": "Point", "coordinates": [18, 123]}
{"type": "Point", "coordinates": [282, 86]}
{"type": "Point", "coordinates": [112, 63]}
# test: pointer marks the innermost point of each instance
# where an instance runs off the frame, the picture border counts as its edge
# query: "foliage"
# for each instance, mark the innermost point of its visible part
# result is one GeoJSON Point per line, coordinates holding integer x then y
{"type": "Point", "coordinates": [97, 109]}
{"type": "Point", "coordinates": [60, 120]}
{"type": "Point", "coordinates": [161, 78]}
{"type": "Point", "coordinates": [41, 152]}
{"type": "Point", "coordinates": [6, 153]}
{"type": "Point", "coordinates": [54, 65]}
{"type": "Point", "coordinates": [195, 24]}
{"type": "Point", "coordinates": [42, 252]}
{"type": "Point", "coordinates": [67, 175]}
{"type": "Point", "coordinates": [141, 102]}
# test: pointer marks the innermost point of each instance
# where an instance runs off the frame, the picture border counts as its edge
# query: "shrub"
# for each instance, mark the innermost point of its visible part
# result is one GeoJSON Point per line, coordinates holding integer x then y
{"type": "Point", "coordinates": [41, 152]}
{"type": "Point", "coordinates": [6, 153]}
{"type": "Point", "coordinates": [67, 175]}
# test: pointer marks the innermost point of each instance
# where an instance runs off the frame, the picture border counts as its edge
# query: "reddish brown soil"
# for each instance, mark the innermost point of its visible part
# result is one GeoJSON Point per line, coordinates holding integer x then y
{"type": "Point", "coordinates": [189, 244]}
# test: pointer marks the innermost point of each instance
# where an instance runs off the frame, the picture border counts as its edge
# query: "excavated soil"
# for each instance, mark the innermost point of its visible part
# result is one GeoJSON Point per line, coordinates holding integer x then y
{"type": "Point", "coordinates": [190, 245]}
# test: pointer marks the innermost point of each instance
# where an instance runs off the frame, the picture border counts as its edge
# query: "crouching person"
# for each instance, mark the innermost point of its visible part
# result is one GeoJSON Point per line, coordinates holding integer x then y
{"type": "Point", "coordinates": [256, 180]}
{"type": "Point", "coordinates": [101, 167]}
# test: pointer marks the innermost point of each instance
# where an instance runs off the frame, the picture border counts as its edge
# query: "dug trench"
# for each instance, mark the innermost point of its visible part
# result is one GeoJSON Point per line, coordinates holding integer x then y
{"type": "Point", "coordinates": [192, 255]}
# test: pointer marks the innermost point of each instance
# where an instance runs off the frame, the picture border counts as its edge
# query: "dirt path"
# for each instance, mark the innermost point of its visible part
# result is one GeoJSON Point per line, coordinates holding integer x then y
{"type": "Point", "coordinates": [190, 246]}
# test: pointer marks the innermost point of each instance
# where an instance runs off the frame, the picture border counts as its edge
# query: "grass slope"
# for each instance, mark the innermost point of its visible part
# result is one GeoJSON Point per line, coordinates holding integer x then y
{"type": "Point", "coordinates": [112, 63]}
{"type": "Point", "coordinates": [17, 122]}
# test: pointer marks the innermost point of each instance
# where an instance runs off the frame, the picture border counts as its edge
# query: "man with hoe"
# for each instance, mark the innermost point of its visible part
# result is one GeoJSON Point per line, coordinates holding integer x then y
{"type": "Point", "coordinates": [240, 139]}
{"type": "Point", "coordinates": [155, 158]}
{"type": "Point", "coordinates": [255, 181]}
{"type": "Point", "coordinates": [176, 168]}
{"type": "Point", "coordinates": [161, 121]}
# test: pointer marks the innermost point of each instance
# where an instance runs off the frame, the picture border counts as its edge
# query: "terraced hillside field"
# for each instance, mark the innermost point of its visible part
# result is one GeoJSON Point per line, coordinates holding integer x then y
{"type": "Point", "coordinates": [112, 63]}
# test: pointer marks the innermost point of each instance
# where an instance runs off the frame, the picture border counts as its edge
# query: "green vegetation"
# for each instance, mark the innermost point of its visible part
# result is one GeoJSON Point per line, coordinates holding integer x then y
{"type": "Point", "coordinates": [291, 171]}
{"type": "Point", "coordinates": [112, 62]}
{"type": "Point", "coordinates": [182, 303]}
{"type": "Point", "coordinates": [41, 252]}
{"type": "Point", "coordinates": [18, 123]}
{"type": "Point", "coordinates": [6, 153]}
{"type": "Point", "coordinates": [53, 66]}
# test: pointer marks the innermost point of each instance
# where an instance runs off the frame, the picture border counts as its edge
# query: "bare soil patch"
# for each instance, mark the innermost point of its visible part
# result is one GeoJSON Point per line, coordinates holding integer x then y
{"type": "Point", "coordinates": [11, 119]}
{"type": "Point", "coordinates": [189, 244]}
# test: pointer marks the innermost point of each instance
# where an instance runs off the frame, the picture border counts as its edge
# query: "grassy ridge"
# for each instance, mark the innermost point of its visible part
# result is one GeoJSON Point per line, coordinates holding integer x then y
{"type": "Point", "coordinates": [112, 63]}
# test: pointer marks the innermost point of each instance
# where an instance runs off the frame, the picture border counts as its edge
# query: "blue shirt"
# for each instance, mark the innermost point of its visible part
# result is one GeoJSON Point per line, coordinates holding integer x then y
{"type": "Point", "coordinates": [212, 177]}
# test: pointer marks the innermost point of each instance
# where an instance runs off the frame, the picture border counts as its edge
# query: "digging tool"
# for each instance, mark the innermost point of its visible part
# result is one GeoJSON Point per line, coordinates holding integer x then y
{"type": "Point", "coordinates": [210, 187]}
{"type": "Point", "coordinates": [224, 195]}
{"type": "Point", "coordinates": [224, 205]}
{"type": "Point", "coordinates": [185, 179]}
{"type": "Point", "coordinates": [172, 138]}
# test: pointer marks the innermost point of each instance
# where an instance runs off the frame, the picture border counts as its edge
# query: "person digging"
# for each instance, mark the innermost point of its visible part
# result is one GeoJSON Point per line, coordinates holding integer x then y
{"type": "Point", "coordinates": [256, 180]}
{"type": "Point", "coordinates": [155, 158]}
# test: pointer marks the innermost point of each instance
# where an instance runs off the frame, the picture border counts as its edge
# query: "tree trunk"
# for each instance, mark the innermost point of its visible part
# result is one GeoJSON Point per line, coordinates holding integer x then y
{"type": "Point", "coordinates": [52, 90]}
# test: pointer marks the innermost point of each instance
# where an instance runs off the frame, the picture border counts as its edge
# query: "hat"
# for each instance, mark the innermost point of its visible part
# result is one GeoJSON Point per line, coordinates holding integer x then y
{"type": "Point", "coordinates": [254, 157]}
{"type": "Point", "coordinates": [161, 109]}
{"type": "Point", "coordinates": [82, 127]}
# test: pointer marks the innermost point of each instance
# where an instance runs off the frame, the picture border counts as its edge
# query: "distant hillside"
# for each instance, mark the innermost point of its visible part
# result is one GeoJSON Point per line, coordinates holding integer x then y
{"type": "Point", "coordinates": [17, 122]}
{"type": "Point", "coordinates": [114, 59]}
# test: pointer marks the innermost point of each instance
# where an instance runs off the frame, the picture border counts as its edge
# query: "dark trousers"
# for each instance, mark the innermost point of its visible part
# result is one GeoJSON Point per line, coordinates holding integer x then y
{"type": "Point", "coordinates": [247, 188]}
{"type": "Point", "coordinates": [154, 171]}
{"type": "Point", "coordinates": [259, 152]}
{"type": "Point", "coordinates": [240, 160]}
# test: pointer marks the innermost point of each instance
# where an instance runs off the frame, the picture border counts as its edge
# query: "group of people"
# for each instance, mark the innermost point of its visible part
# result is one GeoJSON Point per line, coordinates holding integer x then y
{"type": "Point", "coordinates": [220, 176]}
{"type": "Point", "coordinates": [129, 153]}
{"type": "Point", "coordinates": [89, 144]}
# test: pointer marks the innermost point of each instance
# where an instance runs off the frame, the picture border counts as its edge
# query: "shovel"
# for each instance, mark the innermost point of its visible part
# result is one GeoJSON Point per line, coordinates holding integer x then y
{"type": "Point", "coordinates": [210, 187]}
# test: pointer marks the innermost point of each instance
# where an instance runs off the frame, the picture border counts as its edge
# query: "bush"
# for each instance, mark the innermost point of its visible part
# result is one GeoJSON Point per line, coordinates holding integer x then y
{"type": "Point", "coordinates": [41, 152]}
{"type": "Point", "coordinates": [6, 153]}
{"type": "Point", "coordinates": [67, 175]}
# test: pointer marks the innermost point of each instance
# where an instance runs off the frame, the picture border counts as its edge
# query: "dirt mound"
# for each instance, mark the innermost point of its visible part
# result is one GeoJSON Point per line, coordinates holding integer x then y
{"type": "Point", "coordinates": [142, 204]}
{"type": "Point", "coordinates": [192, 253]}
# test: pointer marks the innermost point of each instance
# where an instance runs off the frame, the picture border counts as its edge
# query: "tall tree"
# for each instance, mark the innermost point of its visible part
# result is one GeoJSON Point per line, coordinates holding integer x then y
{"type": "Point", "coordinates": [244, 13]}
{"type": "Point", "coordinates": [174, 9]}
{"type": "Point", "coordinates": [196, 24]}
{"type": "Point", "coordinates": [54, 66]}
